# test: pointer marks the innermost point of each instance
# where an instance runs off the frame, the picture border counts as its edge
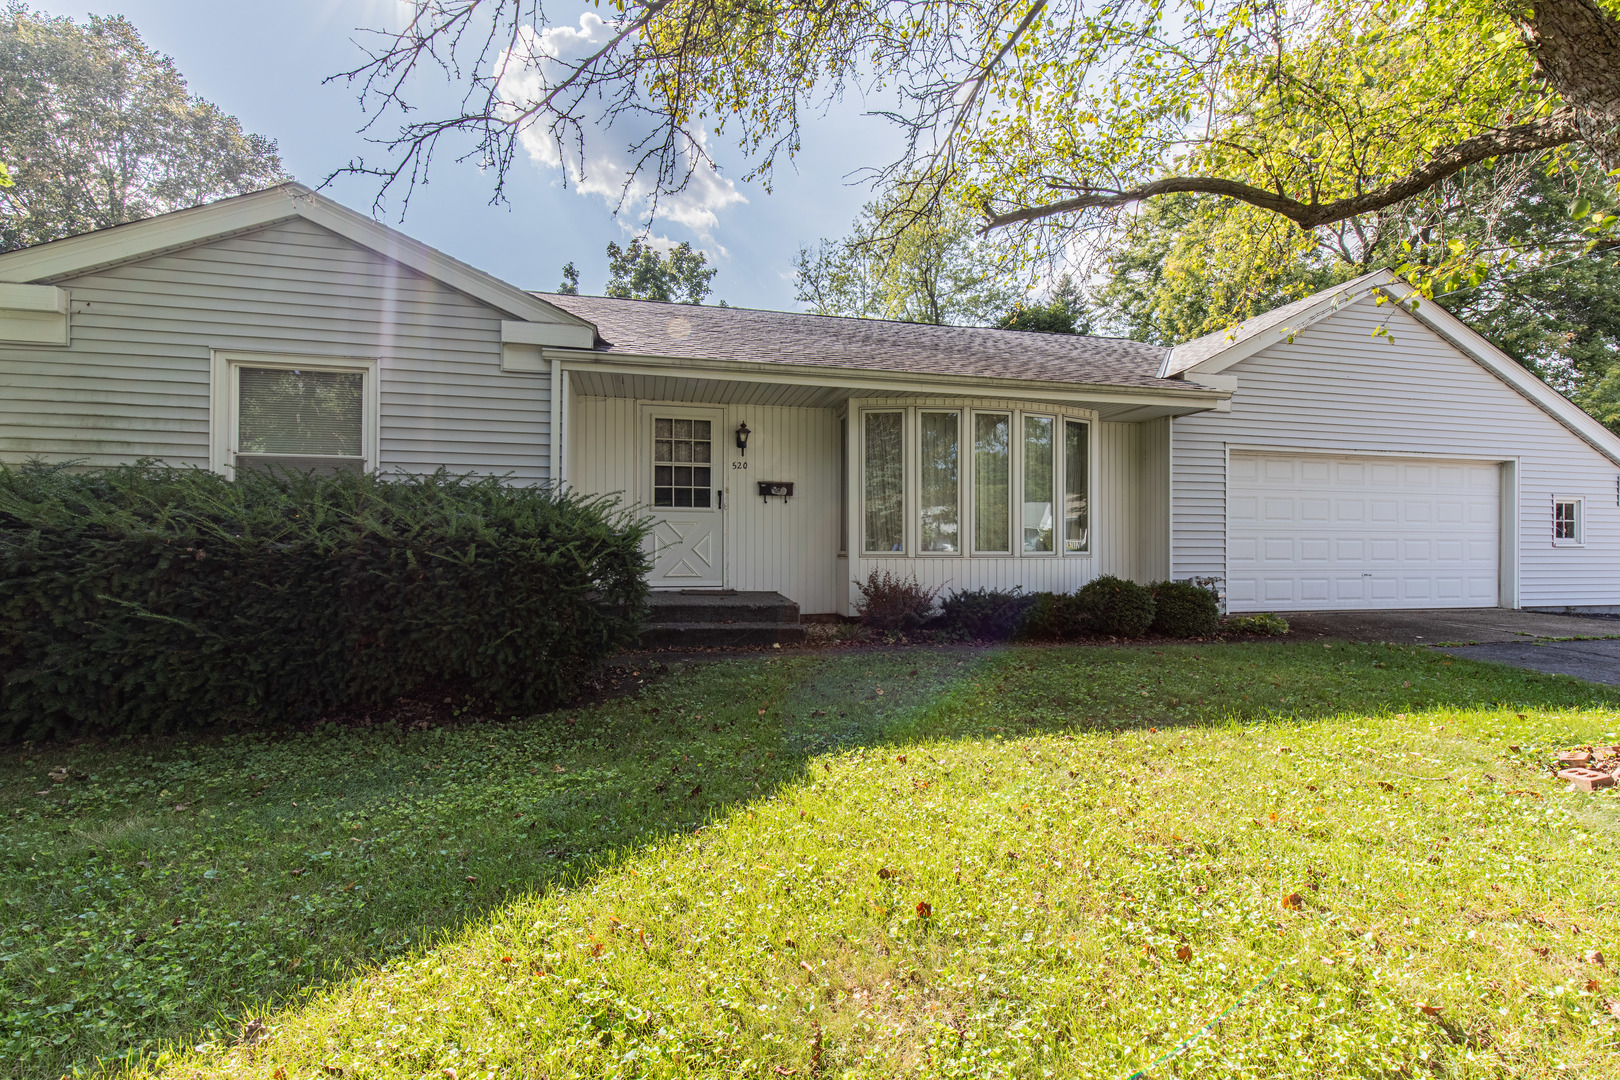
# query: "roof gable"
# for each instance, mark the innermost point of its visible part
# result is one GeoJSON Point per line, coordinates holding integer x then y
{"type": "Point", "coordinates": [75, 255]}
{"type": "Point", "coordinates": [1211, 354]}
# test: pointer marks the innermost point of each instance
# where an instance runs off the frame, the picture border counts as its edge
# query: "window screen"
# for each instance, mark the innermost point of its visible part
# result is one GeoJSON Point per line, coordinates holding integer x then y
{"type": "Point", "coordinates": [308, 413]}
{"type": "Point", "coordinates": [682, 473]}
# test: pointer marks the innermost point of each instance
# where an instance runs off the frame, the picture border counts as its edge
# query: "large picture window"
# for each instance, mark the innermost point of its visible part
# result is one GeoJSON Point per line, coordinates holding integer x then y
{"type": "Point", "coordinates": [1076, 486]}
{"type": "Point", "coordinates": [992, 482]}
{"type": "Point", "coordinates": [941, 505]}
{"type": "Point", "coordinates": [1039, 478]}
{"type": "Point", "coordinates": [883, 490]}
{"type": "Point", "coordinates": [281, 414]}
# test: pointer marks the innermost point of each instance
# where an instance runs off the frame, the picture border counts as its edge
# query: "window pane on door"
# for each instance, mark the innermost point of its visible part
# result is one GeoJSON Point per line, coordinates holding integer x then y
{"type": "Point", "coordinates": [1076, 484]}
{"type": "Point", "coordinates": [941, 508]}
{"type": "Point", "coordinates": [884, 499]}
{"type": "Point", "coordinates": [1038, 477]}
{"type": "Point", "coordinates": [310, 413]}
{"type": "Point", "coordinates": [992, 473]}
{"type": "Point", "coordinates": [682, 450]}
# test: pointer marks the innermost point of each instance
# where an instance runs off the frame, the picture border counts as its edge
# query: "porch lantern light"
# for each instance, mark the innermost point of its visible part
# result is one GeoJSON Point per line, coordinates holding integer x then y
{"type": "Point", "coordinates": [742, 437]}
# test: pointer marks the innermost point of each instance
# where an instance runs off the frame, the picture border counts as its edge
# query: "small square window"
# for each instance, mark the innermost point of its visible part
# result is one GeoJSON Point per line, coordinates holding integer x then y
{"type": "Point", "coordinates": [1566, 521]}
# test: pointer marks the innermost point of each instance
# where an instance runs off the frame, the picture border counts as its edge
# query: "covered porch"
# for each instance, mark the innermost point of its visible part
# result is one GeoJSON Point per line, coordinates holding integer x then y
{"type": "Point", "coordinates": [774, 478]}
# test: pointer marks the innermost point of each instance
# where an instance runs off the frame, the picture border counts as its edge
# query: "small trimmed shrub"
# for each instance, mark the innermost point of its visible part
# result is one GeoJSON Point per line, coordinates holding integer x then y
{"type": "Point", "coordinates": [1263, 622]}
{"type": "Point", "coordinates": [1112, 605]}
{"type": "Point", "coordinates": [1183, 610]}
{"type": "Point", "coordinates": [984, 614]}
{"type": "Point", "coordinates": [1054, 617]}
{"type": "Point", "coordinates": [148, 599]}
{"type": "Point", "coordinates": [892, 604]}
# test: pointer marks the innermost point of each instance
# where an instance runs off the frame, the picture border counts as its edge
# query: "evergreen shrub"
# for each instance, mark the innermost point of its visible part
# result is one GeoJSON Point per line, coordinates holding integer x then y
{"type": "Point", "coordinates": [147, 599]}
{"type": "Point", "coordinates": [1112, 605]}
{"type": "Point", "coordinates": [1184, 610]}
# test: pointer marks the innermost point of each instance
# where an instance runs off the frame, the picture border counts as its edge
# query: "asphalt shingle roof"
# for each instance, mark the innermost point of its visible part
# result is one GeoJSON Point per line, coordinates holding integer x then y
{"type": "Point", "coordinates": [686, 331]}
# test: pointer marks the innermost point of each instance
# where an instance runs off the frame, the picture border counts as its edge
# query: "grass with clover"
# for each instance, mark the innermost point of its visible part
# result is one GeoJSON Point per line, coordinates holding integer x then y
{"type": "Point", "coordinates": [956, 862]}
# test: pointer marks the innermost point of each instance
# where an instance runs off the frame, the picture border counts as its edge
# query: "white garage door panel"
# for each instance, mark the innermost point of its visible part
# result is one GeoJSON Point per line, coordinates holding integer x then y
{"type": "Point", "coordinates": [1314, 532]}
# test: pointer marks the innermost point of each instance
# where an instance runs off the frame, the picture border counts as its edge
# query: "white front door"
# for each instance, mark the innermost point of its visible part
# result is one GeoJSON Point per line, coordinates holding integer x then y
{"type": "Point", "coordinates": [1318, 532]}
{"type": "Point", "coordinates": [681, 454]}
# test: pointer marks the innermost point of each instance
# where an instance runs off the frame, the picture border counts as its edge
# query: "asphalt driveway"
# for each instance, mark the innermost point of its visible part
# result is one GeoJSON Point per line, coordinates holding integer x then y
{"type": "Point", "coordinates": [1586, 647]}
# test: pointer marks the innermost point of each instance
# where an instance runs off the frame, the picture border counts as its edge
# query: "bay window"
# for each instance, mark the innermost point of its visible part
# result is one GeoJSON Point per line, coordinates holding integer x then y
{"type": "Point", "coordinates": [1039, 475]}
{"type": "Point", "coordinates": [883, 495]}
{"type": "Point", "coordinates": [992, 482]}
{"type": "Point", "coordinates": [1076, 486]}
{"type": "Point", "coordinates": [940, 508]}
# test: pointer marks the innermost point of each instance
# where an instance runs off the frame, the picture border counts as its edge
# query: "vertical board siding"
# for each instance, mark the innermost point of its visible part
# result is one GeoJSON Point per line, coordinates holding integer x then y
{"type": "Point", "coordinates": [1373, 379]}
{"type": "Point", "coordinates": [134, 381]}
{"type": "Point", "coordinates": [788, 547]}
{"type": "Point", "coordinates": [1119, 494]}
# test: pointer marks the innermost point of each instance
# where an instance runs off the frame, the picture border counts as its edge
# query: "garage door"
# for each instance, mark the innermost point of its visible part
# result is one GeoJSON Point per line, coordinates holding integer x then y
{"type": "Point", "coordinates": [1311, 532]}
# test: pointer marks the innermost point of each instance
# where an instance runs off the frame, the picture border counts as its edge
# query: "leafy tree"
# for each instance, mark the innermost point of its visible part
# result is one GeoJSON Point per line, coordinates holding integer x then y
{"type": "Point", "coordinates": [1550, 303]}
{"type": "Point", "coordinates": [638, 272]}
{"type": "Point", "coordinates": [925, 267]}
{"type": "Point", "coordinates": [1063, 312]}
{"type": "Point", "coordinates": [1048, 115]}
{"type": "Point", "coordinates": [570, 281]}
{"type": "Point", "coordinates": [98, 130]}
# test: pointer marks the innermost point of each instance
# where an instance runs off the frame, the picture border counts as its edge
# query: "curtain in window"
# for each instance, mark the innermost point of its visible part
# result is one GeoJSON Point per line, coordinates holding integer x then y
{"type": "Point", "coordinates": [1038, 477]}
{"type": "Point", "coordinates": [992, 473]}
{"type": "Point", "coordinates": [312, 413]}
{"type": "Point", "coordinates": [941, 504]}
{"type": "Point", "coordinates": [884, 498]}
{"type": "Point", "coordinates": [1076, 481]}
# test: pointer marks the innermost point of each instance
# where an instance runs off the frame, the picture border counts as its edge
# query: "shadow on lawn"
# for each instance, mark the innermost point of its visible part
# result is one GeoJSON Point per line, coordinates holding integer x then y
{"type": "Point", "coordinates": [176, 887]}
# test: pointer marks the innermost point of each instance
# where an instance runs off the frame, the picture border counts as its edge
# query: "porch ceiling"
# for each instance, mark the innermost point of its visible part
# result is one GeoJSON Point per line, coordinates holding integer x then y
{"type": "Point", "coordinates": [596, 381]}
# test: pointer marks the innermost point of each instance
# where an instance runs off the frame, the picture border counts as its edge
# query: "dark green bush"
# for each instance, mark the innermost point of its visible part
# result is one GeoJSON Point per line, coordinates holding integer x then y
{"type": "Point", "coordinates": [1054, 617]}
{"type": "Point", "coordinates": [1183, 610]}
{"type": "Point", "coordinates": [151, 599]}
{"type": "Point", "coordinates": [983, 614]}
{"type": "Point", "coordinates": [1115, 606]}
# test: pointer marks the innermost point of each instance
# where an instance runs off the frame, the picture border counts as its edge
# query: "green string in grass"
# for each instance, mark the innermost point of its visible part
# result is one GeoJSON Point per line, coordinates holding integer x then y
{"type": "Point", "coordinates": [1201, 1032]}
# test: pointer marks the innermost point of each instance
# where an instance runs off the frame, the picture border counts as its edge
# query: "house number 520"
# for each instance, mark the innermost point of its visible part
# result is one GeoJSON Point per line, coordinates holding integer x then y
{"type": "Point", "coordinates": [739, 464]}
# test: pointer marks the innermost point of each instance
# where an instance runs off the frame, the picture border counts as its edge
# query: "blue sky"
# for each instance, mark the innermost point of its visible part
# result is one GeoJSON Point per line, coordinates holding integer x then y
{"type": "Point", "coordinates": [265, 62]}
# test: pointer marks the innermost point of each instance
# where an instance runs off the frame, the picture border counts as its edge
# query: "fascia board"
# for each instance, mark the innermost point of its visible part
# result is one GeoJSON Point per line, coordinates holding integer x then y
{"type": "Point", "coordinates": [555, 335]}
{"type": "Point", "coordinates": [862, 380]}
{"type": "Point", "coordinates": [1239, 351]}
{"type": "Point", "coordinates": [89, 252]}
{"type": "Point", "coordinates": [1463, 337]}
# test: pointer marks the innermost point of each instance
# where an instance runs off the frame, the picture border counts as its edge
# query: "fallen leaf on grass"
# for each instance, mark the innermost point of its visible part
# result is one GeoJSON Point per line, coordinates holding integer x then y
{"type": "Point", "coordinates": [924, 910]}
{"type": "Point", "coordinates": [1429, 1010]}
{"type": "Point", "coordinates": [1292, 902]}
{"type": "Point", "coordinates": [1184, 953]}
{"type": "Point", "coordinates": [1595, 957]}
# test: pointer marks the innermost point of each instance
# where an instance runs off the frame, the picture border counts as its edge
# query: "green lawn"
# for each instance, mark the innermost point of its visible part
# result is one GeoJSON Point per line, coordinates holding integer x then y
{"type": "Point", "coordinates": [536, 898]}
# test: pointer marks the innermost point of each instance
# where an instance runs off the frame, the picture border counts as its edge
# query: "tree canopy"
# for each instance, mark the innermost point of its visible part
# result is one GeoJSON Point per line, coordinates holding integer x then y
{"type": "Point", "coordinates": [638, 272]}
{"type": "Point", "coordinates": [1048, 116]}
{"type": "Point", "coordinates": [926, 267]}
{"type": "Point", "coordinates": [96, 129]}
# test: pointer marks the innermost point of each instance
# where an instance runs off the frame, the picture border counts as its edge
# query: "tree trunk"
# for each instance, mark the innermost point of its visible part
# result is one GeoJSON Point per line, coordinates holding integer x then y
{"type": "Point", "coordinates": [1576, 47]}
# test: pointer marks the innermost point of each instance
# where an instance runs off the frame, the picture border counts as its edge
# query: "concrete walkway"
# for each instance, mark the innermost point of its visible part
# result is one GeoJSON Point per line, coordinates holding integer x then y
{"type": "Point", "coordinates": [1525, 639]}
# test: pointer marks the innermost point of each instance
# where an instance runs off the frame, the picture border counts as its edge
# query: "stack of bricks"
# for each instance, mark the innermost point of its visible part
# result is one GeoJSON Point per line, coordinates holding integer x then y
{"type": "Point", "coordinates": [1590, 767]}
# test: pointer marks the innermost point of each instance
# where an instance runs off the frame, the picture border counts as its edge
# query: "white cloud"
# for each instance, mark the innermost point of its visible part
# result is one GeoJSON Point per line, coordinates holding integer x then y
{"type": "Point", "coordinates": [607, 160]}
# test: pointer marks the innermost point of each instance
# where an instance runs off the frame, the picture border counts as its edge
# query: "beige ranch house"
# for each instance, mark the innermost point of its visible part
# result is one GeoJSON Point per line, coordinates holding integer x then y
{"type": "Point", "coordinates": [1346, 451]}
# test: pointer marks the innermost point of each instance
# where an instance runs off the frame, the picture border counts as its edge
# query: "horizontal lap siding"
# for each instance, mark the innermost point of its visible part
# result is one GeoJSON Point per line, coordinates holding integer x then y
{"type": "Point", "coordinates": [134, 383]}
{"type": "Point", "coordinates": [1343, 386]}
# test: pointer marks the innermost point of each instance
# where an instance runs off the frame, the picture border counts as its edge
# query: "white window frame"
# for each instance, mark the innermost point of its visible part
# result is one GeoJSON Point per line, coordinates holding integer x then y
{"type": "Point", "coordinates": [225, 398]}
{"type": "Point", "coordinates": [1058, 466]}
{"type": "Point", "coordinates": [1063, 486]}
{"type": "Point", "coordinates": [1015, 485]}
{"type": "Point", "coordinates": [908, 486]}
{"type": "Point", "coordinates": [1579, 503]}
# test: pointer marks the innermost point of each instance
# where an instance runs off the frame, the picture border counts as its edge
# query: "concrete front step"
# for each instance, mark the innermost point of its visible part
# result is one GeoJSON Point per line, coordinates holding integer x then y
{"type": "Point", "coordinates": [721, 607]}
{"type": "Point", "coordinates": [714, 618]}
{"type": "Point", "coordinates": [718, 635]}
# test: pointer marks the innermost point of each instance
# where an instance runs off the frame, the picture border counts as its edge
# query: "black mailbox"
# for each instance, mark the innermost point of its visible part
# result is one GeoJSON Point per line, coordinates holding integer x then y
{"type": "Point", "coordinates": [780, 488]}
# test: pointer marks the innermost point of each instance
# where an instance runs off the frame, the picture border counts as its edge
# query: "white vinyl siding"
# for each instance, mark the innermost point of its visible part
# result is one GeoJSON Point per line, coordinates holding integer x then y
{"type": "Point", "coordinates": [1373, 380]}
{"type": "Point", "coordinates": [135, 380]}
